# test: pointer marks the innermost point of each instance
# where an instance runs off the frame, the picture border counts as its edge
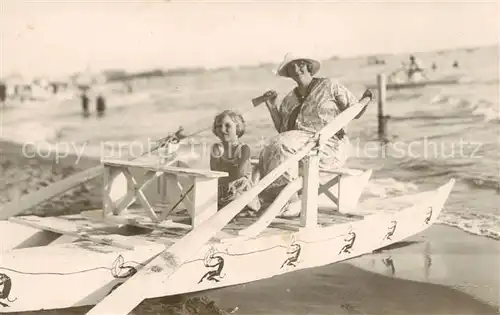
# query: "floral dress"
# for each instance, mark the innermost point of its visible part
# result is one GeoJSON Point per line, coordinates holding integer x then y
{"type": "Point", "coordinates": [301, 118]}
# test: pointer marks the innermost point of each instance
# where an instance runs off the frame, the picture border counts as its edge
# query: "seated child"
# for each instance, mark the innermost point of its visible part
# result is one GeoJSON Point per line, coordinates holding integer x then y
{"type": "Point", "coordinates": [233, 157]}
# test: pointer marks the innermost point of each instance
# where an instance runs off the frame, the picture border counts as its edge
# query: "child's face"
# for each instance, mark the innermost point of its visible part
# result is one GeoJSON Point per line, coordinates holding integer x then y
{"type": "Point", "coordinates": [225, 129]}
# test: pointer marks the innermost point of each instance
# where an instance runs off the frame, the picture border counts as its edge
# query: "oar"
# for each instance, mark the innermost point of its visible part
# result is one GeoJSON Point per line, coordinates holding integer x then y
{"type": "Point", "coordinates": [28, 201]}
{"type": "Point", "coordinates": [155, 275]}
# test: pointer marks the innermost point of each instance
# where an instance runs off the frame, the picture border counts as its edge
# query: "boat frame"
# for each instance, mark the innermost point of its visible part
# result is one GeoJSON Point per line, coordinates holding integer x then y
{"type": "Point", "coordinates": [118, 256]}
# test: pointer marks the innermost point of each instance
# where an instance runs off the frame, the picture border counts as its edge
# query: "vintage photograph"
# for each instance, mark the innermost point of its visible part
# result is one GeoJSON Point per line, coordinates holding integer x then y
{"type": "Point", "coordinates": [249, 157]}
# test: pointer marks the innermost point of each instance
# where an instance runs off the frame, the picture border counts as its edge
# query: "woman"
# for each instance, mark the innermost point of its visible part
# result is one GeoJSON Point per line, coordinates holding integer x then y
{"type": "Point", "coordinates": [308, 108]}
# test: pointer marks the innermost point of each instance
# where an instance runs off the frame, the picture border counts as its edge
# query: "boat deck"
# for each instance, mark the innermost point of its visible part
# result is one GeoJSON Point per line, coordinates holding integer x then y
{"type": "Point", "coordinates": [133, 228]}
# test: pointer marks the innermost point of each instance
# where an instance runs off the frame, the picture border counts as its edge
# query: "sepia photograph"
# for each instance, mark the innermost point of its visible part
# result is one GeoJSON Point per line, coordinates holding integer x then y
{"type": "Point", "coordinates": [167, 157]}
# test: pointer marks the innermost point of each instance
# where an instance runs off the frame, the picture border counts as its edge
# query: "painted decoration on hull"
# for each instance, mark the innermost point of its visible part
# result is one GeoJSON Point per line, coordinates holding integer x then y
{"type": "Point", "coordinates": [213, 260]}
{"type": "Point", "coordinates": [216, 260]}
{"type": "Point", "coordinates": [390, 231]}
{"type": "Point", "coordinates": [428, 216]}
{"type": "Point", "coordinates": [120, 269]}
{"type": "Point", "coordinates": [294, 254]}
{"type": "Point", "coordinates": [5, 287]}
{"type": "Point", "coordinates": [349, 242]}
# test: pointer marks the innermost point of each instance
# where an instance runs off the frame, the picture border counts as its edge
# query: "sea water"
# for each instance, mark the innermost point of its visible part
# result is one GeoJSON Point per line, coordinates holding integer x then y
{"type": "Point", "coordinates": [435, 132]}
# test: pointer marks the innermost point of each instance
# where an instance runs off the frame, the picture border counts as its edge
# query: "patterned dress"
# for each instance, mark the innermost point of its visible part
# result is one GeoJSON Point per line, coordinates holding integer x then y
{"type": "Point", "coordinates": [301, 118]}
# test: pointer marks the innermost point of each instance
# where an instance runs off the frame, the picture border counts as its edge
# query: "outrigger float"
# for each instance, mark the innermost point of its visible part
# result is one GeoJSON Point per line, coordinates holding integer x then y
{"type": "Point", "coordinates": [159, 234]}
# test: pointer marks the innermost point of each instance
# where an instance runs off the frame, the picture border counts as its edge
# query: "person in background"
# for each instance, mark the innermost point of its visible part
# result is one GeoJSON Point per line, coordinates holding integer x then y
{"type": "Point", "coordinates": [85, 104]}
{"type": "Point", "coordinates": [100, 105]}
{"type": "Point", "coordinates": [415, 67]}
{"type": "Point", "coordinates": [3, 92]}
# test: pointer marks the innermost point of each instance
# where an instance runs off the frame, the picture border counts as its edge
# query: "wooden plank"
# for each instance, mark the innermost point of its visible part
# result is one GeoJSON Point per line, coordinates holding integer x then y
{"type": "Point", "coordinates": [139, 194]}
{"type": "Point", "coordinates": [16, 207]}
{"type": "Point", "coordinates": [63, 226]}
{"type": "Point", "coordinates": [204, 198]}
{"type": "Point", "coordinates": [13, 235]}
{"type": "Point", "coordinates": [343, 171]}
{"type": "Point", "coordinates": [309, 211]}
{"type": "Point", "coordinates": [166, 168]}
{"type": "Point", "coordinates": [134, 219]}
{"type": "Point", "coordinates": [339, 171]}
{"type": "Point", "coordinates": [128, 295]}
{"type": "Point", "coordinates": [350, 190]}
{"type": "Point", "coordinates": [273, 210]}
{"type": "Point", "coordinates": [325, 189]}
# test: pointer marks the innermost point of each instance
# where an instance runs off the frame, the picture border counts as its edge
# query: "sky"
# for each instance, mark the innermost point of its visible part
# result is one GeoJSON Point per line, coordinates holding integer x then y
{"type": "Point", "coordinates": [61, 37]}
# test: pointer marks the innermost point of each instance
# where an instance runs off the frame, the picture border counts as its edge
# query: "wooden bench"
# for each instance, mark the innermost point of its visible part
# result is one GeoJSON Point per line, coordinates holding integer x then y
{"type": "Point", "coordinates": [195, 188]}
{"type": "Point", "coordinates": [335, 183]}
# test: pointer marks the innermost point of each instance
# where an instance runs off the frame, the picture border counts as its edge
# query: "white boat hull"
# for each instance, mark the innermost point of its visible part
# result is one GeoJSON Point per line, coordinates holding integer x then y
{"type": "Point", "coordinates": [82, 273]}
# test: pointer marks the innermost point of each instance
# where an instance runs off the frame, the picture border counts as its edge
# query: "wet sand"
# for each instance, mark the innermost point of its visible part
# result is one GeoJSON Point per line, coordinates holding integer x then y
{"type": "Point", "coordinates": [460, 263]}
{"type": "Point", "coordinates": [440, 271]}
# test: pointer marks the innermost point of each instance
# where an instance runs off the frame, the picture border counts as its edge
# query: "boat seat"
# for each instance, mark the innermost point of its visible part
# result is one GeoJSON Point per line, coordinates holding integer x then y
{"type": "Point", "coordinates": [195, 188]}
{"type": "Point", "coordinates": [333, 184]}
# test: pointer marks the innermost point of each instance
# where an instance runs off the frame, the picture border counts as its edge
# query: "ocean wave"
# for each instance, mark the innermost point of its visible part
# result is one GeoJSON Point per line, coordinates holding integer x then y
{"type": "Point", "coordinates": [427, 168]}
{"type": "Point", "coordinates": [485, 108]}
{"type": "Point", "coordinates": [396, 194]}
{"type": "Point", "coordinates": [386, 187]}
{"type": "Point", "coordinates": [491, 182]}
{"type": "Point", "coordinates": [487, 226]}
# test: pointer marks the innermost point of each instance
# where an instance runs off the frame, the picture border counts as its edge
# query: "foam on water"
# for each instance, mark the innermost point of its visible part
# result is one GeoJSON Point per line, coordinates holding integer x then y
{"type": "Point", "coordinates": [388, 195]}
{"type": "Point", "coordinates": [479, 224]}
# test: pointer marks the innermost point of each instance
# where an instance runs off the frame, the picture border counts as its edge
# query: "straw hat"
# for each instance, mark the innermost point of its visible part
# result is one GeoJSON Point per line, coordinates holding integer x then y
{"type": "Point", "coordinates": [282, 71]}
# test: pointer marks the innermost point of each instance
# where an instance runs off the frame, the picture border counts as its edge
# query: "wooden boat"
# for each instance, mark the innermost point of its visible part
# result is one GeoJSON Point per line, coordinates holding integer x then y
{"type": "Point", "coordinates": [150, 244]}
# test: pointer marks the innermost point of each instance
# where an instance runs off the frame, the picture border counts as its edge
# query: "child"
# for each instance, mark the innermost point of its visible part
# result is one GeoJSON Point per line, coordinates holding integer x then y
{"type": "Point", "coordinates": [233, 157]}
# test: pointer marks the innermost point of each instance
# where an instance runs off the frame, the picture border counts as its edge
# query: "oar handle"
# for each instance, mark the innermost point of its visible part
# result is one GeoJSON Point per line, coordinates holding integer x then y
{"type": "Point", "coordinates": [263, 98]}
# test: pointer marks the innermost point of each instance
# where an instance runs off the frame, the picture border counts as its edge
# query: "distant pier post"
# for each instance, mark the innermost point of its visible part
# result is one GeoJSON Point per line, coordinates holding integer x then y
{"type": "Point", "coordinates": [382, 119]}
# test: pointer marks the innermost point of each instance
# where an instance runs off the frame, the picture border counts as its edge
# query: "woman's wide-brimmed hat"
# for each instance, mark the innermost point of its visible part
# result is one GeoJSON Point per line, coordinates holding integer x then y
{"type": "Point", "coordinates": [282, 70]}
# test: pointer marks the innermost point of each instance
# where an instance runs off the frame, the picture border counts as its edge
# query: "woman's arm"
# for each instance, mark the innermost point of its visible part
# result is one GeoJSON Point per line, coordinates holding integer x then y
{"type": "Point", "coordinates": [275, 115]}
{"type": "Point", "coordinates": [273, 109]}
{"type": "Point", "coordinates": [346, 98]}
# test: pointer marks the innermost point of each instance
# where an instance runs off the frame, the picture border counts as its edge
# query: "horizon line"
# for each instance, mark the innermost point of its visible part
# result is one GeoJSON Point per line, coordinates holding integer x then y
{"type": "Point", "coordinates": [129, 70]}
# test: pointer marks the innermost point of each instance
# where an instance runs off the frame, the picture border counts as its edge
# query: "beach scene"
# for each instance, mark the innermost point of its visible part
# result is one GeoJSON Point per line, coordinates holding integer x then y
{"type": "Point", "coordinates": [81, 83]}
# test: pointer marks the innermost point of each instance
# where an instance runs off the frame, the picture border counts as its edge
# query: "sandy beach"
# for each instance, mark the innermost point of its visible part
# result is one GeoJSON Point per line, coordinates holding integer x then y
{"type": "Point", "coordinates": [441, 271]}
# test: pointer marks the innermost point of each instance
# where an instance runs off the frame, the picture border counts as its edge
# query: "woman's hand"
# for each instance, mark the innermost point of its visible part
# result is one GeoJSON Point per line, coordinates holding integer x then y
{"type": "Point", "coordinates": [367, 94]}
{"type": "Point", "coordinates": [270, 99]}
{"type": "Point", "coordinates": [366, 98]}
{"type": "Point", "coordinates": [271, 96]}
